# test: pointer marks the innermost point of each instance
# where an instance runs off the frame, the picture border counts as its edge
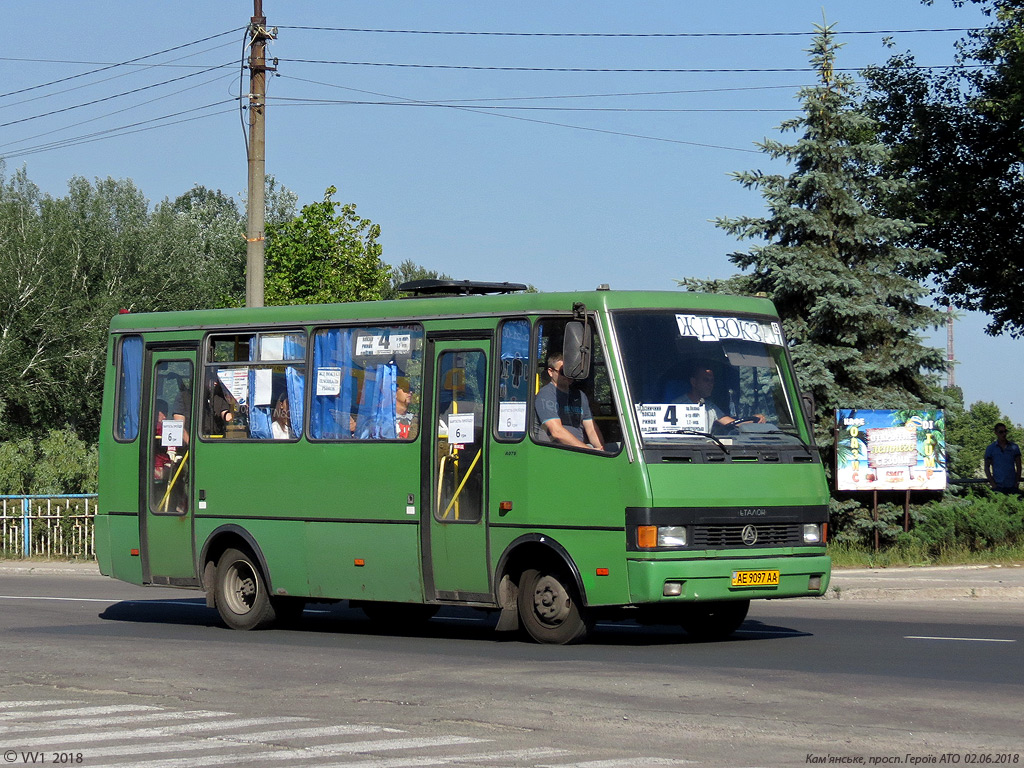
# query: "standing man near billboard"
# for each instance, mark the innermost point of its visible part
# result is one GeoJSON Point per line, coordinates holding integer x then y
{"type": "Point", "coordinates": [1002, 462]}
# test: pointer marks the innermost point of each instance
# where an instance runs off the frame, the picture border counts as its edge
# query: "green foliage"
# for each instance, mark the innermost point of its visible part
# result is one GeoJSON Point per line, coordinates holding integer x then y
{"type": "Point", "coordinates": [59, 463]}
{"type": "Point", "coordinates": [406, 272]}
{"type": "Point", "coordinates": [835, 267]}
{"type": "Point", "coordinates": [324, 256]}
{"type": "Point", "coordinates": [955, 135]}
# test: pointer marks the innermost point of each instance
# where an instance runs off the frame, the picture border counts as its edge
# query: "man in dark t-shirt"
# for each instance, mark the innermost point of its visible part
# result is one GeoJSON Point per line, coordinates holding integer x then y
{"type": "Point", "coordinates": [565, 411]}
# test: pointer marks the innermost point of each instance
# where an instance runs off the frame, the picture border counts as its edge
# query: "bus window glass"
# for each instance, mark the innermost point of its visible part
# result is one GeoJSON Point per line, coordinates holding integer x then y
{"type": "Point", "coordinates": [366, 383]}
{"type": "Point", "coordinates": [172, 424]}
{"type": "Point", "coordinates": [513, 379]}
{"type": "Point", "coordinates": [129, 389]}
{"type": "Point", "coordinates": [254, 386]}
{"type": "Point", "coordinates": [591, 396]}
{"type": "Point", "coordinates": [461, 379]}
{"type": "Point", "coordinates": [692, 375]}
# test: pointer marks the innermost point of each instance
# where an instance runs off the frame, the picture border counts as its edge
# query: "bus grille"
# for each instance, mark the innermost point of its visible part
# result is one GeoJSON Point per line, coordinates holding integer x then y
{"type": "Point", "coordinates": [731, 536]}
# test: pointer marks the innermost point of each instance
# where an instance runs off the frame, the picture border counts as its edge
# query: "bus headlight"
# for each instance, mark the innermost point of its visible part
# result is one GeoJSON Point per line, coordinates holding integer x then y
{"type": "Point", "coordinates": [671, 536]}
{"type": "Point", "coordinates": [812, 533]}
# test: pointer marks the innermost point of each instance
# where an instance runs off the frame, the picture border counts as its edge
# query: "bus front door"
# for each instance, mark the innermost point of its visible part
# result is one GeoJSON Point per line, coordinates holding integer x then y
{"type": "Point", "coordinates": [456, 554]}
{"type": "Point", "coordinates": [166, 518]}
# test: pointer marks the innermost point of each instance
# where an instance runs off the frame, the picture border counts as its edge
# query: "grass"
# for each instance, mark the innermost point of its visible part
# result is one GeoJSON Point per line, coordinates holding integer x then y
{"type": "Point", "coordinates": [849, 556]}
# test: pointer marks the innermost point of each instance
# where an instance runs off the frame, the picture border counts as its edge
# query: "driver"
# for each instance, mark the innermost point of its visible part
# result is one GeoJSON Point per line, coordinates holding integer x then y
{"type": "Point", "coordinates": [702, 384]}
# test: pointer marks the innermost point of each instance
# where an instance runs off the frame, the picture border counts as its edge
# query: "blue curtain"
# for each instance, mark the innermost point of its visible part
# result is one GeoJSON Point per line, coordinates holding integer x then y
{"type": "Point", "coordinates": [295, 382]}
{"type": "Point", "coordinates": [131, 387]}
{"type": "Point", "coordinates": [329, 414]}
{"type": "Point", "coordinates": [259, 415]}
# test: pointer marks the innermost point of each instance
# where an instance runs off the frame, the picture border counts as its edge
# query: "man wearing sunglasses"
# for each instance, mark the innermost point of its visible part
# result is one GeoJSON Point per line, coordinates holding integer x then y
{"type": "Point", "coordinates": [1002, 462]}
{"type": "Point", "coordinates": [565, 411]}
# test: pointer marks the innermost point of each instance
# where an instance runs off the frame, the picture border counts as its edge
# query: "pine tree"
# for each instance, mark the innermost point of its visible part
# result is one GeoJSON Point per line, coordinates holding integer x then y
{"type": "Point", "coordinates": [835, 268]}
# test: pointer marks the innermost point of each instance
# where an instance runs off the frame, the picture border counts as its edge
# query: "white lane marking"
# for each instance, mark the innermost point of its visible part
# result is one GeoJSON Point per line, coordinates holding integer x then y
{"type": "Point", "coordinates": [514, 755]}
{"type": "Point", "coordinates": [98, 721]}
{"type": "Point", "coordinates": [960, 639]}
{"type": "Point", "coordinates": [297, 733]}
{"type": "Point", "coordinates": [146, 733]}
{"type": "Point", "coordinates": [110, 710]}
{"type": "Point", "coordinates": [104, 600]}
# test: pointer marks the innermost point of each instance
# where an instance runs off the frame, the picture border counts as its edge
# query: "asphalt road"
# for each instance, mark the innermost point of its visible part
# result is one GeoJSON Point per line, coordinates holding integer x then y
{"type": "Point", "coordinates": [126, 676]}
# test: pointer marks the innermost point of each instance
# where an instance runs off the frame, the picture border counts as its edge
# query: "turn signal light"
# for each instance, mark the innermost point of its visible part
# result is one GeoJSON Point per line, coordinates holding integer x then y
{"type": "Point", "coordinates": [647, 536]}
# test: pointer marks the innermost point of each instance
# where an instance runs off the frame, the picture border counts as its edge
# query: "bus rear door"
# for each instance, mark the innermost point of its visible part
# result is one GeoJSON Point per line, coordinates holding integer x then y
{"type": "Point", "coordinates": [166, 516]}
{"type": "Point", "coordinates": [455, 550]}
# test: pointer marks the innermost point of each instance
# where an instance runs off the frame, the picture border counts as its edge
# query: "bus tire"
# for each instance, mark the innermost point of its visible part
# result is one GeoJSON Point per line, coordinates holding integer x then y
{"type": "Point", "coordinates": [714, 621]}
{"type": "Point", "coordinates": [549, 608]}
{"type": "Point", "coordinates": [242, 599]}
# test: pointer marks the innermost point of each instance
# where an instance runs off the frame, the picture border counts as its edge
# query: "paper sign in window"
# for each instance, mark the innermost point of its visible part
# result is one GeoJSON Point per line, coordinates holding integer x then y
{"type": "Point", "coordinates": [328, 382]}
{"type": "Point", "coordinates": [264, 386]}
{"type": "Point", "coordinates": [172, 433]}
{"type": "Point", "coordinates": [460, 427]}
{"type": "Point", "coordinates": [512, 417]}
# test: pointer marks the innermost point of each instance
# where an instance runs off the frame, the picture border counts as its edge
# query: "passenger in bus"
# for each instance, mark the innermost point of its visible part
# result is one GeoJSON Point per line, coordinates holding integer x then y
{"type": "Point", "coordinates": [702, 385]}
{"type": "Point", "coordinates": [281, 423]}
{"type": "Point", "coordinates": [217, 409]}
{"type": "Point", "coordinates": [565, 411]}
{"type": "Point", "coordinates": [406, 426]}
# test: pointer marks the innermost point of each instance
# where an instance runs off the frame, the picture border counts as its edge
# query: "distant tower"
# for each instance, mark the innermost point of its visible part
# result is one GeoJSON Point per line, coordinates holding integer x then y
{"type": "Point", "coordinates": [950, 357]}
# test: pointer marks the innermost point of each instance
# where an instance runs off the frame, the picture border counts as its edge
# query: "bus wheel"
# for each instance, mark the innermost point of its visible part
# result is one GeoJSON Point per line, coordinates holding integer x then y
{"type": "Point", "coordinates": [549, 609]}
{"type": "Point", "coordinates": [241, 591]}
{"type": "Point", "coordinates": [714, 621]}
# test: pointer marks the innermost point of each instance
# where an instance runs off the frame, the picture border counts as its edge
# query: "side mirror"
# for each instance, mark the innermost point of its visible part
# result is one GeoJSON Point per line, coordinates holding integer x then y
{"type": "Point", "coordinates": [807, 402]}
{"type": "Point", "coordinates": [576, 349]}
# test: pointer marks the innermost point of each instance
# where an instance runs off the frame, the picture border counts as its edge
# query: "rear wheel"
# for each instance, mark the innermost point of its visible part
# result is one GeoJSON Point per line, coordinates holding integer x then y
{"type": "Point", "coordinates": [241, 592]}
{"type": "Point", "coordinates": [550, 609]}
{"type": "Point", "coordinates": [714, 621]}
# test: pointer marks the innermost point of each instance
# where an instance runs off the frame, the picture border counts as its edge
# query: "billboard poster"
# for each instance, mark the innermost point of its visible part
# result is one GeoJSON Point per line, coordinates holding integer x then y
{"type": "Point", "coordinates": [890, 450]}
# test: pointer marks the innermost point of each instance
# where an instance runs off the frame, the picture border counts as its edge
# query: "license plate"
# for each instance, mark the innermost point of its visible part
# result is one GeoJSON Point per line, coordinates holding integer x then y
{"type": "Point", "coordinates": [755, 578]}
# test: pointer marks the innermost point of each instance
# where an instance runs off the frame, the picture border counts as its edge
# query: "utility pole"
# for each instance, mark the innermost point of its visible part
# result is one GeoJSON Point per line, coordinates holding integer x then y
{"type": "Point", "coordinates": [950, 356]}
{"type": "Point", "coordinates": [256, 209]}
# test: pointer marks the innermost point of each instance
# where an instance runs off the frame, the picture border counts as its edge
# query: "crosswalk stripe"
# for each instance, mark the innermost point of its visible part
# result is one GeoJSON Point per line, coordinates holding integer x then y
{"type": "Point", "coordinates": [307, 753]}
{"type": "Point", "coordinates": [13, 704]}
{"type": "Point", "coordinates": [472, 759]}
{"type": "Point", "coordinates": [626, 762]}
{"type": "Point", "coordinates": [78, 711]}
{"type": "Point", "coordinates": [76, 722]}
{"type": "Point", "coordinates": [145, 733]}
{"type": "Point", "coordinates": [231, 742]}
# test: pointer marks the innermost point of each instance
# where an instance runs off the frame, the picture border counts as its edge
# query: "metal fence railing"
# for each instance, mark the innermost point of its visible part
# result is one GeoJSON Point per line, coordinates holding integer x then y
{"type": "Point", "coordinates": [57, 525]}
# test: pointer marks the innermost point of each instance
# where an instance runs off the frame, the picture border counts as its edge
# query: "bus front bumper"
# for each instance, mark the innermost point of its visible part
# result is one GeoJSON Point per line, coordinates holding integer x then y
{"type": "Point", "coordinates": [668, 581]}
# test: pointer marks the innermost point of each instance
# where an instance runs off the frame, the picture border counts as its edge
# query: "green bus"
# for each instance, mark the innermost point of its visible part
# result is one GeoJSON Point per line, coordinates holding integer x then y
{"type": "Point", "coordinates": [555, 457]}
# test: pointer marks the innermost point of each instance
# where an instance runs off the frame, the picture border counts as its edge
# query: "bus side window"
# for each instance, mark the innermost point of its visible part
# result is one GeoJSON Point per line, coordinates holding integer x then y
{"type": "Point", "coordinates": [366, 383]}
{"type": "Point", "coordinates": [596, 389]}
{"type": "Point", "coordinates": [254, 386]}
{"type": "Point", "coordinates": [129, 389]}
{"type": "Point", "coordinates": [513, 380]}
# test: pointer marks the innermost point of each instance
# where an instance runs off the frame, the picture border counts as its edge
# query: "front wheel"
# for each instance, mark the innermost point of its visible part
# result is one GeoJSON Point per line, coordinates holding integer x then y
{"type": "Point", "coordinates": [714, 621]}
{"type": "Point", "coordinates": [550, 609]}
{"type": "Point", "coordinates": [241, 592]}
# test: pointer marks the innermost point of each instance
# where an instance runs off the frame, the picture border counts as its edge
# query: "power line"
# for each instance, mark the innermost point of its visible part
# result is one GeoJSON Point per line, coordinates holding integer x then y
{"type": "Point", "coordinates": [110, 66]}
{"type": "Point", "coordinates": [296, 101]}
{"type": "Point", "coordinates": [623, 34]}
{"type": "Point", "coordinates": [614, 70]}
{"type": "Point", "coordinates": [115, 96]}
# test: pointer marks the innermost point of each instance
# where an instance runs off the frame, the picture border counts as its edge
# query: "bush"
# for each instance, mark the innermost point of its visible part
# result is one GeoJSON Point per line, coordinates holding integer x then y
{"type": "Point", "coordinates": [59, 463]}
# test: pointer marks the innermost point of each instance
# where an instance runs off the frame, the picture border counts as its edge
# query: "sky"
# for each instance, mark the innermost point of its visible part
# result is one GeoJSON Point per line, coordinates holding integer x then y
{"type": "Point", "coordinates": [593, 146]}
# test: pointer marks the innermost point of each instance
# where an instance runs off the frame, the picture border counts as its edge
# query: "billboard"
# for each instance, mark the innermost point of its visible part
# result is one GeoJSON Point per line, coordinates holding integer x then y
{"type": "Point", "coordinates": [890, 450]}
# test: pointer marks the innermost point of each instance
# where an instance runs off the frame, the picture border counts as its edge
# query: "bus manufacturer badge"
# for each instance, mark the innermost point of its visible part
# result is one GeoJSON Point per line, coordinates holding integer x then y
{"type": "Point", "coordinates": [749, 535]}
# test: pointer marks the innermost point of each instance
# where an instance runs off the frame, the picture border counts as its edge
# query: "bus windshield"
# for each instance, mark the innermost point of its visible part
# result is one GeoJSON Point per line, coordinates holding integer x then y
{"type": "Point", "coordinates": [718, 377]}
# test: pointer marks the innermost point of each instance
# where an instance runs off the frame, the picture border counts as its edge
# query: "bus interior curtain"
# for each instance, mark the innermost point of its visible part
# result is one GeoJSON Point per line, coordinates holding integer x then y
{"type": "Point", "coordinates": [131, 401]}
{"type": "Point", "coordinates": [259, 413]}
{"type": "Point", "coordinates": [377, 409]}
{"type": "Point", "coordinates": [294, 382]}
{"type": "Point", "coordinates": [331, 411]}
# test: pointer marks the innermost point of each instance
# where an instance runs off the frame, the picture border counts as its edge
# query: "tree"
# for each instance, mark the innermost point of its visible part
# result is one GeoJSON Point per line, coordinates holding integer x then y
{"type": "Point", "coordinates": [968, 433]}
{"type": "Point", "coordinates": [324, 256]}
{"type": "Point", "coordinates": [834, 266]}
{"type": "Point", "coordinates": [406, 272]}
{"type": "Point", "coordinates": [956, 135]}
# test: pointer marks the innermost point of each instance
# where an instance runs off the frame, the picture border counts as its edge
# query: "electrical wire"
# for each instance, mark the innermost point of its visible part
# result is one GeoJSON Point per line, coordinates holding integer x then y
{"type": "Point", "coordinates": [111, 66]}
{"type": "Point", "coordinates": [622, 34]}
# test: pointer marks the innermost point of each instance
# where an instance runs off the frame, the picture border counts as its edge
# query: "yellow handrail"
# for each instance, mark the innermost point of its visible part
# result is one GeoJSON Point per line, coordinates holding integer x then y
{"type": "Point", "coordinates": [162, 506]}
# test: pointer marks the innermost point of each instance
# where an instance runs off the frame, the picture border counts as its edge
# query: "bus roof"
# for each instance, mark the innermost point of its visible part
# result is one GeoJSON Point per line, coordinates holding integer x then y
{"type": "Point", "coordinates": [424, 307]}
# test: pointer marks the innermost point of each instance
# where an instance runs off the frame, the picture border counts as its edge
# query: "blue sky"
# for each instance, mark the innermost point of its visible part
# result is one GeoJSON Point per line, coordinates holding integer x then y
{"type": "Point", "coordinates": [562, 179]}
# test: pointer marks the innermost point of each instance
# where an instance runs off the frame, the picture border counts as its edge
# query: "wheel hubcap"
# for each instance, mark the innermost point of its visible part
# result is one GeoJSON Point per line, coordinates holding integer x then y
{"type": "Point", "coordinates": [242, 588]}
{"type": "Point", "coordinates": [550, 601]}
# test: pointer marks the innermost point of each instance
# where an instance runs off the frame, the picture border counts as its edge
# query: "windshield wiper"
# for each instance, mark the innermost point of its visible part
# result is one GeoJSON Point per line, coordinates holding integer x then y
{"type": "Point", "coordinates": [704, 434]}
{"type": "Point", "coordinates": [806, 447]}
